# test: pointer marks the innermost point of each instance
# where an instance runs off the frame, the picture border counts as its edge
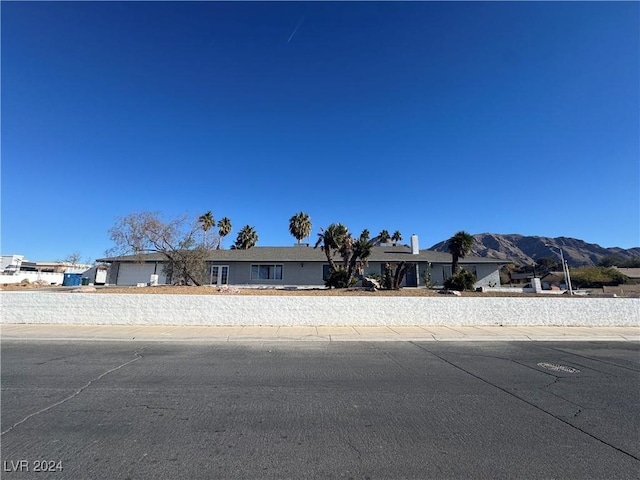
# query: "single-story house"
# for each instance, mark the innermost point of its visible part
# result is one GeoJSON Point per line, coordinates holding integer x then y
{"type": "Point", "coordinates": [300, 266]}
{"type": "Point", "coordinates": [521, 278]}
{"type": "Point", "coordinates": [553, 281]}
{"type": "Point", "coordinates": [632, 273]}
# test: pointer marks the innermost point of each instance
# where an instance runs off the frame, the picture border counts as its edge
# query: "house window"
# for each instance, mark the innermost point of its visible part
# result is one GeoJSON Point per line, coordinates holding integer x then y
{"type": "Point", "coordinates": [325, 272]}
{"type": "Point", "coordinates": [472, 269]}
{"type": "Point", "coordinates": [266, 272]}
{"type": "Point", "coordinates": [468, 268]}
{"type": "Point", "coordinates": [446, 272]}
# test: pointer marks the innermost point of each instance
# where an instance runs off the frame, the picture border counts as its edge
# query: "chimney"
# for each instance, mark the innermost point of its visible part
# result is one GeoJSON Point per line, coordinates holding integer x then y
{"type": "Point", "coordinates": [415, 249]}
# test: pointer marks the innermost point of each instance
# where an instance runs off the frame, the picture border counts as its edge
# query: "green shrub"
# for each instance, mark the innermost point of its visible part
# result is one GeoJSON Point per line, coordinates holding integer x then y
{"type": "Point", "coordinates": [463, 280]}
{"type": "Point", "coordinates": [339, 278]}
{"type": "Point", "coordinates": [425, 276]}
{"type": "Point", "coordinates": [596, 277]}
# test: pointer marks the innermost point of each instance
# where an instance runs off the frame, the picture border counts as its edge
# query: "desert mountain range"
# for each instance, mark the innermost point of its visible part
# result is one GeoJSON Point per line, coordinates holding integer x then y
{"type": "Point", "coordinates": [526, 250]}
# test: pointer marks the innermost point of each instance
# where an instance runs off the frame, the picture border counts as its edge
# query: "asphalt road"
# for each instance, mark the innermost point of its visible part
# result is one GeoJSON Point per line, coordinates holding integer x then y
{"type": "Point", "coordinates": [108, 410]}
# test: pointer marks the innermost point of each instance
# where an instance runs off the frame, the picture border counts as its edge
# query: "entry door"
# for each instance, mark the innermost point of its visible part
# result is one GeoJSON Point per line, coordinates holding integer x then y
{"type": "Point", "coordinates": [410, 279]}
{"type": "Point", "coordinates": [219, 274]}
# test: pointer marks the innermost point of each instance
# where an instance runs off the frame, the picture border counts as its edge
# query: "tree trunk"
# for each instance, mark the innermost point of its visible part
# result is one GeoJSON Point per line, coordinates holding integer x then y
{"type": "Point", "coordinates": [195, 282]}
{"type": "Point", "coordinates": [353, 261]}
{"type": "Point", "coordinates": [401, 271]}
{"type": "Point", "coordinates": [332, 263]}
{"type": "Point", "coordinates": [387, 276]}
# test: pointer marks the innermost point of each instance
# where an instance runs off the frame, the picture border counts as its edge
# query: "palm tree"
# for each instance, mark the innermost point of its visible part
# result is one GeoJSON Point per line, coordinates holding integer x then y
{"type": "Point", "coordinates": [224, 229]}
{"type": "Point", "coordinates": [247, 238]}
{"type": "Point", "coordinates": [362, 249]}
{"type": "Point", "coordinates": [383, 236]}
{"type": "Point", "coordinates": [459, 246]}
{"type": "Point", "coordinates": [365, 235]}
{"type": "Point", "coordinates": [354, 252]}
{"type": "Point", "coordinates": [300, 226]}
{"type": "Point", "coordinates": [396, 237]}
{"type": "Point", "coordinates": [332, 239]}
{"type": "Point", "coordinates": [206, 222]}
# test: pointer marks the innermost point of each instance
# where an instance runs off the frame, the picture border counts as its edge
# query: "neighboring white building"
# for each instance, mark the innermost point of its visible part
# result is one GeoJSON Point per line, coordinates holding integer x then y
{"type": "Point", "coordinates": [15, 269]}
{"type": "Point", "coordinates": [10, 264]}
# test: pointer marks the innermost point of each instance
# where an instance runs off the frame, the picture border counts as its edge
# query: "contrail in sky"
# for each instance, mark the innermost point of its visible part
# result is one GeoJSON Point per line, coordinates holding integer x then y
{"type": "Point", "coordinates": [295, 29]}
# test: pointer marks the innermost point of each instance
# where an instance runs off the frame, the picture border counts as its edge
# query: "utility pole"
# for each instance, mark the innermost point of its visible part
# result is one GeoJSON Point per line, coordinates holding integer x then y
{"type": "Point", "coordinates": [565, 268]}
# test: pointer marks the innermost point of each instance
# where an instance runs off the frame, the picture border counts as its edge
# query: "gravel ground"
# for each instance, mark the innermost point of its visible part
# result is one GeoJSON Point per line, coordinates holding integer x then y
{"type": "Point", "coordinates": [209, 290]}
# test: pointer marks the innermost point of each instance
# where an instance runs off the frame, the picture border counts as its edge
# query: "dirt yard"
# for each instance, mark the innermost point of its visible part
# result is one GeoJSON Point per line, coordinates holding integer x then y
{"type": "Point", "coordinates": [209, 290]}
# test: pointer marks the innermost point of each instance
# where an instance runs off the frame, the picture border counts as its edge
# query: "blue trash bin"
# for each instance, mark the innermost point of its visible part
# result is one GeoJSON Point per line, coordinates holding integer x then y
{"type": "Point", "coordinates": [71, 279]}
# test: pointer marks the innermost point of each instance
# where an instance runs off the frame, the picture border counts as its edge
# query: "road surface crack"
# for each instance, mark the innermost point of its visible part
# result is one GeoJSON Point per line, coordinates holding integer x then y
{"type": "Point", "coordinates": [138, 356]}
{"type": "Point", "coordinates": [555, 380]}
{"type": "Point", "coordinates": [149, 407]}
{"type": "Point", "coordinates": [527, 402]}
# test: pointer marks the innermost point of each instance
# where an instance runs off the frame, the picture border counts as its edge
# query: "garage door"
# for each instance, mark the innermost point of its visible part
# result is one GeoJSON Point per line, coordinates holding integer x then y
{"type": "Point", "coordinates": [134, 273]}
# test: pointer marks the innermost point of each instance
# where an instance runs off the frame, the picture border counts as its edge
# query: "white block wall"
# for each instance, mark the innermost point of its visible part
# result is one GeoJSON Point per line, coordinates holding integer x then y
{"type": "Point", "coordinates": [139, 309]}
{"type": "Point", "coordinates": [48, 277]}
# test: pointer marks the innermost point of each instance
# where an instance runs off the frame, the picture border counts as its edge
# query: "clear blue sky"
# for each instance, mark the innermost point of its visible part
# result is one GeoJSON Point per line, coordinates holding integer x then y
{"type": "Point", "coordinates": [425, 117]}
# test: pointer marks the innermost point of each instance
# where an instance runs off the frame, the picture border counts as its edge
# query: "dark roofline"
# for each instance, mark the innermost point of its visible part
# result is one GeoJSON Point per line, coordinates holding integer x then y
{"type": "Point", "coordinates": [308, 254]}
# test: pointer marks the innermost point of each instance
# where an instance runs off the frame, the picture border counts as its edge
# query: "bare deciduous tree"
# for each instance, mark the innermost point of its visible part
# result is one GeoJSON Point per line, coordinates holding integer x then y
{"type": "Point", "coordinates": [175, 239]}
{"type": "Point", "coordinates": [74, 259]}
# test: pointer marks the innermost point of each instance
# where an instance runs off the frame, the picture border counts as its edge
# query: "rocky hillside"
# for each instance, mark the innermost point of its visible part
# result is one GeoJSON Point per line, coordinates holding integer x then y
{"type": "Point", "coordinates": [525, 250]}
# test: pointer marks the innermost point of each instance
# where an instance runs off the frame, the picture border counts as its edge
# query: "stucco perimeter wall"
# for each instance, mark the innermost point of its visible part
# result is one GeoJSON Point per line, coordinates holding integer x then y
{"type": "Point", "coordinates": [48, 277]}
{"type": "Point", "coordinates": [137, 309]}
